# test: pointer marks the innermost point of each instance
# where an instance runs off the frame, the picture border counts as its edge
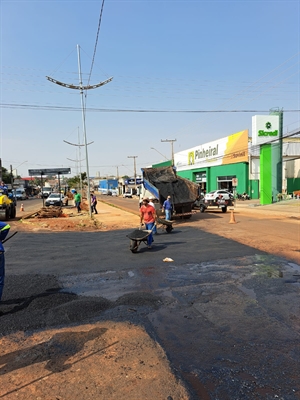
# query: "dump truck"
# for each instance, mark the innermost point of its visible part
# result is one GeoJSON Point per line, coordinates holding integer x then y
{"type": "Point", "coordinates": [162, 182]}
{"type": "Point", "coordinates": [7, 205]}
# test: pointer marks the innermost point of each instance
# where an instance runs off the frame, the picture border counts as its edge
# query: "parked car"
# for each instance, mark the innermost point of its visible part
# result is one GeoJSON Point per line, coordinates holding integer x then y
{"type": "Point", "coordinates": [56, 199]}
{"type": "Point", "coordinates": [20, 194]}
{"type": "Point", "coordinates": [226, 195]}
{"type": "Point", "coordinates": [127, 194]}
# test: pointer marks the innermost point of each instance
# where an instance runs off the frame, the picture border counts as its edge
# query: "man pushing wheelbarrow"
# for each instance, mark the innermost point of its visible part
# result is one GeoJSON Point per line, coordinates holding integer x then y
{"type": "Point", "coordinates": [147, 216]}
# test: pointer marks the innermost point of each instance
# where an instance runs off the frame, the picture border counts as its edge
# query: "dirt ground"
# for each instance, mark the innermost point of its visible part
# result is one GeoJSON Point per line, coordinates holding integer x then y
{"type": "Point", "coordinates": [107, 360]}
{"type": "Point", "coordinates": [100, 361]}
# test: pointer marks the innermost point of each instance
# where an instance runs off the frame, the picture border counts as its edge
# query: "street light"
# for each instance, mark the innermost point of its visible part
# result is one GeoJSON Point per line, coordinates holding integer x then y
{"type": "Point", "coordinates": [172, 149]}
{"type": "Point", "coordinates": [152, 148]}
{"type": "Point", "coordinates": [81, 88]}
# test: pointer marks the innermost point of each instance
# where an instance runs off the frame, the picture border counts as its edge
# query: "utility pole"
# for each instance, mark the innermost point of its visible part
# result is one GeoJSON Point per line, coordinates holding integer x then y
{"type": "Point", "coordinates": [134, 164]}
{"type": "Point", "coordinates": [118, 178]}
{"type": "Point", "coordinates": [81, 88]}
{"type": "Point", "coordinates": [172, 149]}
{"type": "Point", "coordinates": [11, 177]}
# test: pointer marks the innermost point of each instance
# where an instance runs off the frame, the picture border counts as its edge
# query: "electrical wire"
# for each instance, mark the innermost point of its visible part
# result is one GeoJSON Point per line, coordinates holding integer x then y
{"type": "Point", "coordinates": [122, 110]}
{"type": "Point", "coordinates": [96, 43]}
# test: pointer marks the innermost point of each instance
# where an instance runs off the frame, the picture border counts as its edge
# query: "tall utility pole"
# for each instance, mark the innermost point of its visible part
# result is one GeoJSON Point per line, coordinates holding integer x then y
{"type": "Point", "coordinates": [117, 178]}
{"type": "Point", "coordinates": [172, 149]}
{"type": "Point", "coordinates": [11, 177]}
{"type": "Point", "coordinates": [81, 88]}
{"type": "Point", "coordinates": [134, 164]}
{"type": "Point", "coordinates": [0, 171]}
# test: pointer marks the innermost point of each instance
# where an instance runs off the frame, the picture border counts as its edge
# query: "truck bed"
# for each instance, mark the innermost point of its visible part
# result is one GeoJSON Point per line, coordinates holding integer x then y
{"type": "Point", "coordinates": [164, 182]}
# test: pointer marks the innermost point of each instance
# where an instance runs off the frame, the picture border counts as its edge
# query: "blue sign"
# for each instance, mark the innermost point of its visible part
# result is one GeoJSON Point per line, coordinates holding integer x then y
{"type": "Point", "coordinates": [130, 181]}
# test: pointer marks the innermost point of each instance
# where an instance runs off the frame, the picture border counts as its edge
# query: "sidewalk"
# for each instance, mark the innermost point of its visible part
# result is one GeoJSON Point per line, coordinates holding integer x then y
{"type": "Point", "coordinates": [287, 208]}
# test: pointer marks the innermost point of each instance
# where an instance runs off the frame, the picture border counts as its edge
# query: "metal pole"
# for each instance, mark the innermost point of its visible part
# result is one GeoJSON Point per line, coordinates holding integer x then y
{"type": "Point", "coordinates": [11, 177]}
{"type": "Point", "coordinates": [80, 178]}
{"type": "Point", "coordinates": [42, 190]}
{"type": "Point", "coordinates": [59, 185]}
{"type": "Point", "coordinates": [172, 150]}
{"type": "Point", "coordinates": [84, 133]}
{"type": "Point", "coordinates": [134, 166]}
{"type": "Point", "coordinates": [0, 171]}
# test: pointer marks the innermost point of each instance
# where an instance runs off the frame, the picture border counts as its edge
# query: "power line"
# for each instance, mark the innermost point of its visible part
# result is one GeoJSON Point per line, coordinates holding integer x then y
{"type": "Point", "coordinates": [97, 36]}
{"type": "Point", "coordinates": [122, 110]}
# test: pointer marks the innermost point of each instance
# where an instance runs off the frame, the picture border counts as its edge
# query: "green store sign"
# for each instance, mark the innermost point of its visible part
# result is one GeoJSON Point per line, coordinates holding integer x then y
{"type": "Point", "coordinates": [268, 125]}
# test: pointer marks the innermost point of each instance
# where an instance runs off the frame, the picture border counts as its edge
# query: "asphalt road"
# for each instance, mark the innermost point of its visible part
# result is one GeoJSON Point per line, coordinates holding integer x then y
{"type": "Point", "coordinates": [30, 205]}
{"type": "Point", "coordinates": [226, 314]}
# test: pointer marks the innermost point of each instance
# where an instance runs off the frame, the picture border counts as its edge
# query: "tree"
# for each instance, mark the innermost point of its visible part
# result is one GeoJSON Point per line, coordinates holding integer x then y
{"type": "Point", "coordinates": [6, 175]}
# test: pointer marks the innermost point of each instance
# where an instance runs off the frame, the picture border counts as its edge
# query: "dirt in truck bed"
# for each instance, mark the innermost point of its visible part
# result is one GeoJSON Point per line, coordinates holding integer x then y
{"type": "Point", "coordinates": [169, 184]}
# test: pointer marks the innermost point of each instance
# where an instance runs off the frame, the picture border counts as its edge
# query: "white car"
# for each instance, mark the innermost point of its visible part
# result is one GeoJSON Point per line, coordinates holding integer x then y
{"type": "Point", "coordinates": [226, 195]}
{"type": "Point", "coordinates": [56, 199]}
{"type": "Point", "coordinates": [127, 194]}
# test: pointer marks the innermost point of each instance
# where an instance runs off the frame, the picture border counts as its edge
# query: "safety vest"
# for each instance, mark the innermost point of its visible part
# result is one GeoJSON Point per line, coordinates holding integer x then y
{"type": "Point", "coordinates": [4, 229]}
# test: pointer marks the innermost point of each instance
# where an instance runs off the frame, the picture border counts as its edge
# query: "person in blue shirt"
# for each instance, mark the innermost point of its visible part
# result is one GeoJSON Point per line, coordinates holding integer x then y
{"type": "Point", "coordinates": [4, 229]}
{"type": "Point", "coordinates": [167, 208]}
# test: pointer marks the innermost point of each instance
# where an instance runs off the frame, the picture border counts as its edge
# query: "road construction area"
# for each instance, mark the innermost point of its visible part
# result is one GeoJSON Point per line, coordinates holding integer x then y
{"type": "Point", "coordinates": [83, 317]}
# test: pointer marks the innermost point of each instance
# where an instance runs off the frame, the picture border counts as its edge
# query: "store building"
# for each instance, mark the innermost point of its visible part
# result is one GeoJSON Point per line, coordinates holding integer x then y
{"type": "Point", "coordinates": [221, 164]}
{"type": "Point", "coordinates": [264, 166]}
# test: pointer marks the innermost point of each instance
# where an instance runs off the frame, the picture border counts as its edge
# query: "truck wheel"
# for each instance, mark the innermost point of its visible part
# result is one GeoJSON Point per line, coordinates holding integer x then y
{"type": "Point", "coordinates": [6, 214]}
{"type": "Point", "coordinates": [133, 246]}
{"type": "Point", "coordinates": [224, 209]}
{"type": "Point", "coordinates": [202, 209]}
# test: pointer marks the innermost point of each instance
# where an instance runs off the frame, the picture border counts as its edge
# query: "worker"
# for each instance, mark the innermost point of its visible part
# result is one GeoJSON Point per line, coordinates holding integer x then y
{"type": "Point", "coordinates": [148, 215]}
{"type": "Point", "coordinates": [152, 204]}
{"type": "Point", "coordinates": [167, 208]}
{"type": "Point", "coordinates": [77, 199]}
{"type": "Point", "coordinates": [4, 229]}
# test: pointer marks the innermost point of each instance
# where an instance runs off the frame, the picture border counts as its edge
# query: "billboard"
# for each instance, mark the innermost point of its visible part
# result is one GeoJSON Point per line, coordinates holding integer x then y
{"type": "Point", "coordinates": [265, 129]}
{"type": "Point", "coordinates": [229, 150]}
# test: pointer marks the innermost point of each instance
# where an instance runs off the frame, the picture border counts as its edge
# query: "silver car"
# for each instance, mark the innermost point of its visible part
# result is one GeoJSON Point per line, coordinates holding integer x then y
{"type": "Point", "coordinates": [226, 195]}
{"type": "Point", "coordinates": [56, 199]}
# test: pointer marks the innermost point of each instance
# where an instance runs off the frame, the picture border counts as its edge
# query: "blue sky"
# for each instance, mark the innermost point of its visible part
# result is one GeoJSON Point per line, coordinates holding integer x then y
{"type": "Point", "coordinates": [163, 55]}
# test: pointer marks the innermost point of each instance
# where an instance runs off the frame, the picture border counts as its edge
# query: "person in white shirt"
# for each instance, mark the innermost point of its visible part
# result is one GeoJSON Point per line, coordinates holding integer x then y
{"type": "Point", "coordinates": [152, 204]}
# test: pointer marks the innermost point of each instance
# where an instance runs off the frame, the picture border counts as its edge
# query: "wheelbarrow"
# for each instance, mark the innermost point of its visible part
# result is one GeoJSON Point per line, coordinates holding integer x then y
{"type": "Point", "coordinates": [165, 224]}
{"type": "Point", "coordinates": [137, 237]}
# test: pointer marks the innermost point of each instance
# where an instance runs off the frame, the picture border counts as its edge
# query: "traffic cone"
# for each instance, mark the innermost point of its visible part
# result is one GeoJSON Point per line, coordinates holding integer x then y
{"type": "Point", "coordinates": [22, 207]}
{"type": "Point", "coordinates": [232, 219]}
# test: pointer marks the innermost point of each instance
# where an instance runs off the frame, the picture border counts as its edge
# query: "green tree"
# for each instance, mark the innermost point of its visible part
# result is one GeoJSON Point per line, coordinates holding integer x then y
{"type": "Point", "coordinates": [6, 175]}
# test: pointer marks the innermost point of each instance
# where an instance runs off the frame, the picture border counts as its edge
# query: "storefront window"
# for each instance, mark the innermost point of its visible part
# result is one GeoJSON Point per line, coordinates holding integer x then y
{"type": "Point", "coordinates": [225, 182]}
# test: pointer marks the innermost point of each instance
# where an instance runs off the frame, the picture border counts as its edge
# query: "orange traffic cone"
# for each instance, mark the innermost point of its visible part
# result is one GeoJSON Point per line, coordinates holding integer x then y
{"type": "Point", "coordinates": [22, 207]}
{"type": "Point", "coordinates": [232, 219]}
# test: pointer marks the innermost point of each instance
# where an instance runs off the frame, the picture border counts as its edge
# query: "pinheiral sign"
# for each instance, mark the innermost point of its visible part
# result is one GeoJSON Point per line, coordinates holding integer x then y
{"type": "Point", "coordinates": [265, 129]}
